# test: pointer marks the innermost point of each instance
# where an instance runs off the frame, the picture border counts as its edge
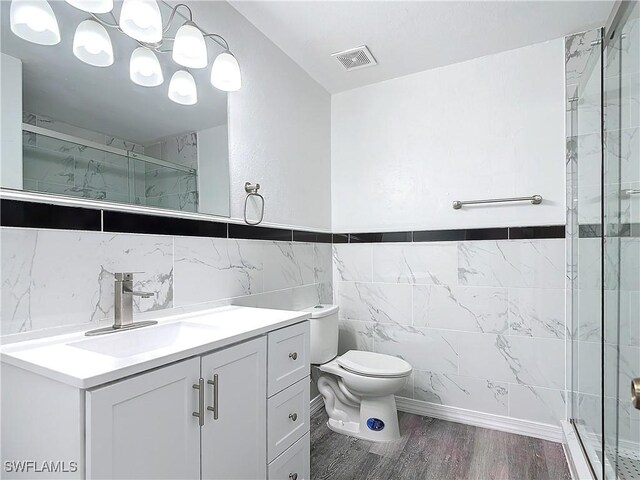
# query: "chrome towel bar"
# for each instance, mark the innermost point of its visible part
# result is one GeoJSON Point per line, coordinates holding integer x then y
{"type": "Point", "coordinates": [534, 199]}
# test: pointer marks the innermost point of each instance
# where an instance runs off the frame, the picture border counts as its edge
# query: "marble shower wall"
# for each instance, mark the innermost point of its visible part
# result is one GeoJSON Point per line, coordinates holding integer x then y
{"type": "Point", "coordinates": [481, 322]}
{"type": "Point", "coordinates": [169, 188]}
{"type": "Point", "coordinates": [57, 278]}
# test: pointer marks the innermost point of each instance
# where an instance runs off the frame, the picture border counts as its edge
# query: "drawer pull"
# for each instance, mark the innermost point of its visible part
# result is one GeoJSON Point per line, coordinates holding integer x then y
{"type": "Point", "coordinates": [293, 416]}
{"type": "Point", "coordinates": [200, 387]}
{"type": "Point", "coordinates": [293, 476]}
{"type": "Point", "coordinates": [293, 355]}
{"type": "Point", "coordinates": [214, 408]}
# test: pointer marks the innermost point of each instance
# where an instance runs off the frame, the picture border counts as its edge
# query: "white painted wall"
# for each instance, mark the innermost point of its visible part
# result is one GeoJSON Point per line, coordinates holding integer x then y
{"type": "Point", "coordinates": [213, 170]}
{"type": "Point", "coordinates": [10, 121]}
{"type": "Point", "coordinates": [279, 126]}
{"type": "Point", "coordinates": [403, 150]}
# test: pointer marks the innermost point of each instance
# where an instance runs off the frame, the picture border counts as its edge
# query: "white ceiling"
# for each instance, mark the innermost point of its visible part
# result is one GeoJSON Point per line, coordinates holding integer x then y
{"type": "Point", "coordinates": [408, 37]}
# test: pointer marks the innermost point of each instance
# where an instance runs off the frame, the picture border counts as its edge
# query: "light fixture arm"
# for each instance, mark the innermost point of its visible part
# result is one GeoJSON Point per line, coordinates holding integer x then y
{"type": "Point", "coordinates": [173, 14]}
{"type": "Point", "coordinates": [106, 24]}
{"type": "Point", "coordinates": [219, 39]}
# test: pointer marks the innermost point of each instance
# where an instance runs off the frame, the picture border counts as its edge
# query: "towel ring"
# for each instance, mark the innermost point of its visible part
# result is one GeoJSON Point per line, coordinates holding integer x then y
{"type": "Point", "coordinates": [252, 190]}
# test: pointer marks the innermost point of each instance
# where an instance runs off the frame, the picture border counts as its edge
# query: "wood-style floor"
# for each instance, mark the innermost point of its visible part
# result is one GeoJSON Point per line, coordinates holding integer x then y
{"type": "Point", "coordinates": [434, 449]}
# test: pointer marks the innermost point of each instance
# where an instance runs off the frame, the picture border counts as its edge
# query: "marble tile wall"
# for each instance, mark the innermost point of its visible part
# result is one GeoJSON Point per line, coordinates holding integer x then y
{"type": "Point", "coordinates": [57, 278]}
{"type": "Point", "coordinates": [481, 322]}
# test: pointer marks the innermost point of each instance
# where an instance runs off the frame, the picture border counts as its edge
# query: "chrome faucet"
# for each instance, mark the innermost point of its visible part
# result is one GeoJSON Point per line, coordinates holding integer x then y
{"type": "Point", "coordinates": [123, 308]}
{"type": "Point", "coordinates": [123, 313]}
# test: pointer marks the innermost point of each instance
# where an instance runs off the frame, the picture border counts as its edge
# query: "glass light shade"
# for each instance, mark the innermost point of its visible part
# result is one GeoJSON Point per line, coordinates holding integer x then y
{"type": "Point", "coordinates": [182, 88]}
{"type": "Point", "coordinates": [141, 20]}
{"type": "Point", "coordinates": [144, 68]}
{"type": "Point", "coordinates": [189, 47]}
{"type": "Point", "coordinates": [225, 73]}
{"type": "Point", "coordinates": [92, 45]}
{"type": "Point", "coordinates": [34, 21]}
{"type": "Point", "coordinates": [93, 6]}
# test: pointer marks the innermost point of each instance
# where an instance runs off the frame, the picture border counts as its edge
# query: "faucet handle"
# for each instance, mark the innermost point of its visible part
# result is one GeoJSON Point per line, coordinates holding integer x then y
{"type": "Point", "coordinates": [124, 276]}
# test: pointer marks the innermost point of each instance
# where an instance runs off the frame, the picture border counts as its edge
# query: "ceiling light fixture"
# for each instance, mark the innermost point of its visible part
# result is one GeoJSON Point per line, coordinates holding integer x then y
{"type": "Point", "coordinates": [92, 6]}
{"type": "Point", "coordinates": [141, 20]}
{"type": "Point", "coordinates": [34, 21]}
{"type": "Point", "coordinates": [92, 45]}
{"type": "Point", "coordinates": [182, 88]}
{"type": "Point", "coordinates": [189, 47]}
{"type": "Point", "coordinates": [225, 73]}
{"type": "Point", "coordinates": [144, 68]}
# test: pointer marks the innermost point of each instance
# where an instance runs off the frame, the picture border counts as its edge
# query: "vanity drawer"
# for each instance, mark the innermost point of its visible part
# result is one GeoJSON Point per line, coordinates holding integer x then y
{"type": "Point", "coordinates": [293, 464]}
{"type": "Point", "coordinates": [287, 417]}
{"type": "Point", "coordinates": [288, 357]}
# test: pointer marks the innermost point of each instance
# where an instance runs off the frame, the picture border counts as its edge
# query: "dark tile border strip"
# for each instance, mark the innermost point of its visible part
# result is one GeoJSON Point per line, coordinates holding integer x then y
{"type": "Point", "coordinates": [551, 231]}
{"type": "Point", "coordinates": [259, 233]}
{"type": "Point", "coordinates": [340, 238]}
{"type": "Point", "coordinates": [461, 235]}
{"type": "Point", "coordinates": [380, 237]}
{"type": "Point", "coordinates": [311, 237]}
{"type": "Point", "coordinates": [14, 213]}
{"type": "Point", "coordinates": [123, 222]}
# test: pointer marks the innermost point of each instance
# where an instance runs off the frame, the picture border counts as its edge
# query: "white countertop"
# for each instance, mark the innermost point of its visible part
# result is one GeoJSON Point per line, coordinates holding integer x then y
{"type": "Point", "coordinates": [57, 358]}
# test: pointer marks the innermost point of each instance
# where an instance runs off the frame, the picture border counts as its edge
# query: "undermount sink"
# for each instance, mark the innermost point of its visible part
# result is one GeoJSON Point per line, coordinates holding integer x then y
{"type": "Point", "coordinates": [134, 342]}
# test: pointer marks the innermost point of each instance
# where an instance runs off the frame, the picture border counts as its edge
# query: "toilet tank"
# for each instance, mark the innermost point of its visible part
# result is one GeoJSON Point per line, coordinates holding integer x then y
{"type": "Point", "coordinates": [324, 333]}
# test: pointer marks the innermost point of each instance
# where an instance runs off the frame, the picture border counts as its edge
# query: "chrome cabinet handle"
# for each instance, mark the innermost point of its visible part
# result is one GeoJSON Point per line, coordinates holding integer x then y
{"type": "Point", "coordinates": [635, 392]}
{"type": "Point", "coordinates": [293, 355]}
{"type": "Point", "coordinates": [214, 408]}
{"type": "Point", "coordinates": [200, 387]}
{"type": "Point", "coordinates": [293, 416]}
{"type": "Point", "coordinates": [293, 476]}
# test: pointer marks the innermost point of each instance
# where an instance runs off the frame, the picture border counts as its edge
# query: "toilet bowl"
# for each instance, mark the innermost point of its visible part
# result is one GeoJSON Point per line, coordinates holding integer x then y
{"type": "Point", "coordinates": [358, 387]}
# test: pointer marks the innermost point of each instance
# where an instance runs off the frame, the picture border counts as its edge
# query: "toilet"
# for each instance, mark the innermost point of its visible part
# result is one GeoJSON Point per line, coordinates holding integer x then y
{"type": "Point", "coordinates": [357, 387]}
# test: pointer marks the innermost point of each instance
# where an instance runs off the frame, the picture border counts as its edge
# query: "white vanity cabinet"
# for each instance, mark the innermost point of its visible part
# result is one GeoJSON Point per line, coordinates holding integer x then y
{"type": "Point", "coordinates": [145, 427]}
{"type": "Point", "coordinates": [206, 416]}
{"type": "Point", "coordinates": [234, 430]}
{"type": "Point", "coordinates": [288, 403]}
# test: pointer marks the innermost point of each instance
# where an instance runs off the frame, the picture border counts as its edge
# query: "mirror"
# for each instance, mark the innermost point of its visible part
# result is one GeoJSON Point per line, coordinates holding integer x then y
{"type": "Point", "coordinates": [91, 132]}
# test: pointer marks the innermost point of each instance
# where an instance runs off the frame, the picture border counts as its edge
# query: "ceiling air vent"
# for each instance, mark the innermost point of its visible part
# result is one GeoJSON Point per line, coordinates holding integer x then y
{"type": "Point", "coordinates": [355, 58]}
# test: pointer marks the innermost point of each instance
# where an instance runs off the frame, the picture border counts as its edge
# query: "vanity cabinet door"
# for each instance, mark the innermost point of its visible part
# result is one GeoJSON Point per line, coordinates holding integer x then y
{"type": "Point", "coordinates": [143, 427]}
{"type": "Point", "coordinates": [234, 436]}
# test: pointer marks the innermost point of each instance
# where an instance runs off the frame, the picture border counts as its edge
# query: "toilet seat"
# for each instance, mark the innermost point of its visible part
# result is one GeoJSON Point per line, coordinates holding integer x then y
{"type": "Point", "coordinates": [371, 364]}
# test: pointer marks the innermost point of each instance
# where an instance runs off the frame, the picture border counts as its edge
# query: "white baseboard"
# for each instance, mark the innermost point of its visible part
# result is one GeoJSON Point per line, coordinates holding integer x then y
{"type": "Point", "coordinates": [317, 404]}
{"type": "Point", "coordinates": [479, 419]}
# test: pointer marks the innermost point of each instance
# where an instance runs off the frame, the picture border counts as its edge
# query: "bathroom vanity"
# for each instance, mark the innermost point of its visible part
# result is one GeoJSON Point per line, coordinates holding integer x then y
{"type": "Point", "coordinates": [218, 394]}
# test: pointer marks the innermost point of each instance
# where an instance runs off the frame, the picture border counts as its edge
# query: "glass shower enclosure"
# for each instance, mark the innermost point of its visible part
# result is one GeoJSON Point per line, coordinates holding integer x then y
{"type": "Point", "coordinates": [603, 167]}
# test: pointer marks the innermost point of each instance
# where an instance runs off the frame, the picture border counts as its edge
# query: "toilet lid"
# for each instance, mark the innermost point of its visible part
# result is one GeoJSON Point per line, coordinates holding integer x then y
{"type": "Point", "coordinates": [374, 364]}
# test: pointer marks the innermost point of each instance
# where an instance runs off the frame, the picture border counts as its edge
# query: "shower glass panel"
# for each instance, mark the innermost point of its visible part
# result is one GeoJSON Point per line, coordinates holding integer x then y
{"type": "Point", "coordinates": [584, 147]}
{"type": "Point", "coordinates": [62, 164]}
{"type": "Point", "coordinates": [621, 188]}
{"type": "Point", "coordinates": [603, 166]}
